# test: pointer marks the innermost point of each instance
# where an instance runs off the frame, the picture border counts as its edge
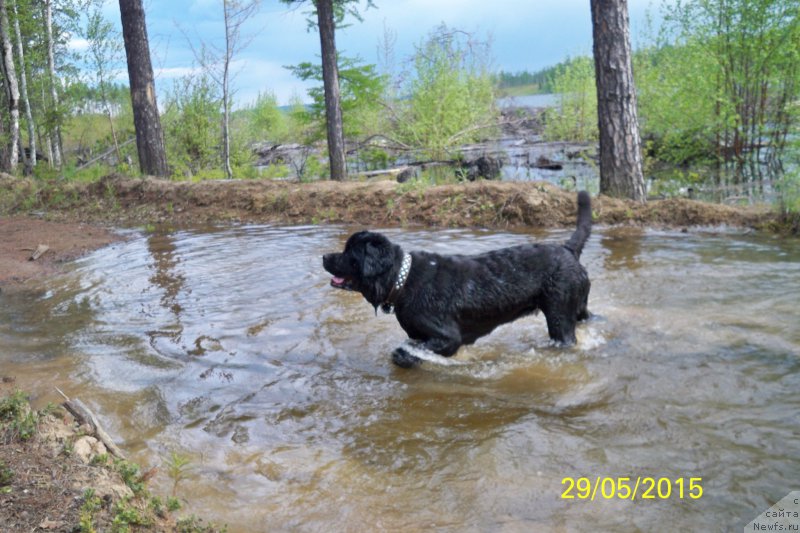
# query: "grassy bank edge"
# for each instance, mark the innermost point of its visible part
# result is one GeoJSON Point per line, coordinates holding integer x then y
{"type": "Point", "coordinates": [48, 438]}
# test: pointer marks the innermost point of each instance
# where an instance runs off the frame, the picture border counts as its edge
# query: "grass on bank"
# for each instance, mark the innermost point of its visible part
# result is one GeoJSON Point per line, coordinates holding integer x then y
{"type": "Point", "coordinates": [144, 511]}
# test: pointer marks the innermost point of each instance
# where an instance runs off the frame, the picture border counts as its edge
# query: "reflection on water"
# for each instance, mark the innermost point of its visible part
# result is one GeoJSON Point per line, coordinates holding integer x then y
{"type": "Point", "coordinates": [227, 345]}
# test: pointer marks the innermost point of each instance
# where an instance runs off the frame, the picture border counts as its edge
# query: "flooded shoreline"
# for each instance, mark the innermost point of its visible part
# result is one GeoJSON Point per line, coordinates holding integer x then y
{"type": "Point", "coordinates": [226, 344]}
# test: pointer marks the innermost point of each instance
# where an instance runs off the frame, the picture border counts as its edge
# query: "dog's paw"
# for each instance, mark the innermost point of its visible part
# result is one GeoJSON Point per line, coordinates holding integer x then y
{"type": "Point", "coordinates": [403, 359]}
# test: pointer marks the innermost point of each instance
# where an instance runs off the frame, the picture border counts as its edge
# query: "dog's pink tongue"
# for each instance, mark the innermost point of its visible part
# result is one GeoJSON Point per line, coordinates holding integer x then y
{"type": "Point", "coordinates": [337, 280]}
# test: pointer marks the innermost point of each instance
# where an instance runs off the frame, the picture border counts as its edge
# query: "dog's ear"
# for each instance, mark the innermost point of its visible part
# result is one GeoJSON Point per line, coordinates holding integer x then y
{"type": "Point", "coordinates": [377, 259]}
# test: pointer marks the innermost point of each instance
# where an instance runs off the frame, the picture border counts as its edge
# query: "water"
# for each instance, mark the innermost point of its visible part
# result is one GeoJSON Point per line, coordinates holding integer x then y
{"type": "Point", "coordinates": [529, 100]}
{"type": "Point", "coordinates": [227, 345]}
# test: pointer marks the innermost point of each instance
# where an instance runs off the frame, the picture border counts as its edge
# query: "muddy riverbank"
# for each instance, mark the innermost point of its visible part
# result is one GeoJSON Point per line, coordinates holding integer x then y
{"type": "Point", "coordinates": [73, 217]}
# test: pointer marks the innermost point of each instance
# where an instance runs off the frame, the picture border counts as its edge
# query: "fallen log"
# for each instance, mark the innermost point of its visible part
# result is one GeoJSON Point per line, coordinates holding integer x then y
{"type": "Point", "coordinates": [84, 415]}
{"type": "Point", "coordinates": [40, 250]}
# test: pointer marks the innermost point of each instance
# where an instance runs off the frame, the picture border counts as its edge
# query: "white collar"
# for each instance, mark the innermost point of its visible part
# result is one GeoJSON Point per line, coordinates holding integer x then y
{"type": "Point", "coordinates": [405, 268]}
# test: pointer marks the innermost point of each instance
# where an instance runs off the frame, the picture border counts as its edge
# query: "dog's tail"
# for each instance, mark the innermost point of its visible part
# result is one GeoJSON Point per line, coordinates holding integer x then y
{"type": "Point", "coordinates": [584, 229]}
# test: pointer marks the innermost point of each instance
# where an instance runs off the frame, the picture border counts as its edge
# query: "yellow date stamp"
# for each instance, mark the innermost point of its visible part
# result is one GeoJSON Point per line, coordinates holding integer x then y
{"type": "Point", "coordinates": [631, 488]}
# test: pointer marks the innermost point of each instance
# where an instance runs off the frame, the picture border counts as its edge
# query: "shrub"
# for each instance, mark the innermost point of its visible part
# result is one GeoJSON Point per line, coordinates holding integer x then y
{"type": "Point", "coordinates": [450, 94]}
{"type": "Point", "coordinates": [575, 116]}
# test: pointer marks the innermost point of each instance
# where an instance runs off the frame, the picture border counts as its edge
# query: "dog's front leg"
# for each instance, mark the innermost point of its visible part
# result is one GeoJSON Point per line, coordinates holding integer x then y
{"type": "Point", "coordinates": [403, 356]}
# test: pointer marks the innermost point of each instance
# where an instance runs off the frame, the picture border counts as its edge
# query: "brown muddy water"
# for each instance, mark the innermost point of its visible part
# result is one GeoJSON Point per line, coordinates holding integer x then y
{"type": "Point", "coordinates": [227, 345]}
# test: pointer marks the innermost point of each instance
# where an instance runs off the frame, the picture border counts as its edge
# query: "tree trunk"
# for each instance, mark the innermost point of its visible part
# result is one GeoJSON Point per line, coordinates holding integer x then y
{"type": "Point", "coordinates": [146, 121]}
{"type": "Point", "coordinates": [12, 90]}
{"type": "Point", "coordinates": [55, 134]}
{"type": "Point", "coordinates": [330, 80]}
{"type": "Point", "coordinates": [23, 78]}
{"type": "Point", "coordinates": [226, 112]}
{"type": "Point", "coordinates": [620, 145]}
{"type": "Point", "coordinates": [113, 130]}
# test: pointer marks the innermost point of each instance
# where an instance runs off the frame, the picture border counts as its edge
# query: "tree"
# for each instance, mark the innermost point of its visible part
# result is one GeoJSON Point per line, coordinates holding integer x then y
{"type": "Point", "coordinates": [104, 50]}
{"type": "Point", "coordinates": [361, 91]}
{"type": "Point", "coordinates": [149, 137]}
{"type": "Point", "coordinates": [575, 117]}
{"type": "Point", "coordinates": [30, 160]}
{"type": "Point", "coordinates": [620, 145]}
{"type": "Point", "coordinates": [330, 80]}
{"type": "Point", "coordinates": [12, 91]}
{"type": "Point", "coordinates": [732, 68]}
{"type": "Point", "coordinates": [55, 133]}
{"type": "Point", "coordinates": [217, 63]}
{"type": "Point", "coordinates": [449, 96]}
{"type": "Point", "coordinates": [329, 14]}
{"type": "Point", "coordinates": [191, 124]}
{"type": "Point", "coordinates": [236, 13]}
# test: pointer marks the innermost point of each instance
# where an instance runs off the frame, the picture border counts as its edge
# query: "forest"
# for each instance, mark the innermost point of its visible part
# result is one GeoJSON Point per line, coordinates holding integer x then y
{"type": "Point", "coordinates": [717, 86]}
{"type": "Point", "coordinates": [176, 352]}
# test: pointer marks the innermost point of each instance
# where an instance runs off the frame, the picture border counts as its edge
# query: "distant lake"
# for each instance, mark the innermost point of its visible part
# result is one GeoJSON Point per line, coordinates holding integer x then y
{"type": "Point", "coordinates": [530, 100]}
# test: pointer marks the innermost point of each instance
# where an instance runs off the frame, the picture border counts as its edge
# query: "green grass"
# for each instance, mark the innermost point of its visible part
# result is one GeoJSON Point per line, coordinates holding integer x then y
{"type": "Point", "coordinates": [17, 417]}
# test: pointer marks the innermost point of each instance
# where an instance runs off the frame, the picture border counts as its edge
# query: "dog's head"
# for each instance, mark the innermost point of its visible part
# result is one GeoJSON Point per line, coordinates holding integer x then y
{"type": "Point", "coordinates": [369, 265]}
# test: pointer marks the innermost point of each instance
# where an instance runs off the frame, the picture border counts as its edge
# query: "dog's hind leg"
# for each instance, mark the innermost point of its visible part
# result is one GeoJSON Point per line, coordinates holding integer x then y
{"type": "Point", "coordinates": [583, 310]}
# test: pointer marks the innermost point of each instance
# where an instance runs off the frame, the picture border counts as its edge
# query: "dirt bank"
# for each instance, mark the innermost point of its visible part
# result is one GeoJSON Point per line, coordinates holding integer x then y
{"type": "Point", "coordinates": [56, 476]}
{"type": "Point", "coordinates": [20, 236]}
{"type": "Point", "coordinates": [119, 200]}
{"type": "Point", "coordinates": [77, 213]}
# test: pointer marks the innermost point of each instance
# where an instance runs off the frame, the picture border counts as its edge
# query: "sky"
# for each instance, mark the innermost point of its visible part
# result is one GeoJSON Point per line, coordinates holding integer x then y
{"type": "Point", "coordinates": [524, 35]}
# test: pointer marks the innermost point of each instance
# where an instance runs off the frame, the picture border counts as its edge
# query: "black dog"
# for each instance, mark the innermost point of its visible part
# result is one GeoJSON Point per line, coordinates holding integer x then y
{"type": "Point", "coordinates": [444, 301]}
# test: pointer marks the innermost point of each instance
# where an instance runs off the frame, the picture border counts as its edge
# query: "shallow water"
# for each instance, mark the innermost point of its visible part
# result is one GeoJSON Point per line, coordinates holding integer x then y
{"type": "Point", "coordinates": [228, 346]}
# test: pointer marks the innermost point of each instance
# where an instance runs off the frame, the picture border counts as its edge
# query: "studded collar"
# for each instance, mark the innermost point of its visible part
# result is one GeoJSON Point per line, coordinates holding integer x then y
{"type": "Point", "coordinates": [388, 305]}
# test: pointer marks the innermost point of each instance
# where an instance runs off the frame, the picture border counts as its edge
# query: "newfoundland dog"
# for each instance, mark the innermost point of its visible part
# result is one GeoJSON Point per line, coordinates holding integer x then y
{"type": "Point", "coordinates": [444, 301]}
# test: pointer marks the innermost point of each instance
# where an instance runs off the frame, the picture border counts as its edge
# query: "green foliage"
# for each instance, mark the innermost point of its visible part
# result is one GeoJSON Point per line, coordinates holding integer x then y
{"type": "Point", "coordinates": [173, 504]}
{"type": "Point", "coordinates": [730, 71]}
{"type": "Point", "coordinates": [16, 417]}
{"type": "Point", "coordinates": [130, 474]}
{"type": "Point", "coordinates": [361, 89]}
{"type": "Point", "coordinates": [678, 104]}
{"type": "Point", "coordinates": [91, 504]}
{"type": "Point", "coordinates": [275, 171]}
{"type": "Point", "coordinates": [539, 82]}
{"type": "Point", "coordinates": [99, 459]}
{"type": "Point", "coordinates": [192, 125]}
{"type": "Point", "coordinates": [575, 117]}
{"type": "Point", "coordinates": [266, 120]}
{"type": "Point", "coordinates": [193, 524]}
{"type": "Point", "coordinates": [87, 135]}
{"type": "Point", "coordinates": [341, 9]}
{"type": "Point", "coordinates": [177, 468]}
{"type": "Point", "coordinates": [126, 515]}
{"type": "Point", "coordinates": [450, 94]}
{"type": "Point", "coordinates": [789, 192]}
{"type": "Point", "coordinates": [430, 177]}
{"type": "Point", "coordinates": [6, 475]}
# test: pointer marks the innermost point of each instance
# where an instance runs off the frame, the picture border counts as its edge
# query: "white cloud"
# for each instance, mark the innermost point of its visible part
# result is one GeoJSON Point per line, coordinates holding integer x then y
{"type": "Point", "coordinates": [168, 73]}
{"type": "Point", "coordinates": [78, 44]}
{"type": "Point", "coordinates": [254, 76]}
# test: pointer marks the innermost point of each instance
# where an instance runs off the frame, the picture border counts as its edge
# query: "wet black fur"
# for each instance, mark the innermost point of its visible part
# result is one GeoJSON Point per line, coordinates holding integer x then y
{"type": "Point", "coordinates": [451, 300]}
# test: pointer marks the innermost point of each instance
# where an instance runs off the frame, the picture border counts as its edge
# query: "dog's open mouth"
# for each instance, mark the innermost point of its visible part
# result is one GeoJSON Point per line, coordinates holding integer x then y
{"type": "Point", "coordinates": [342, 283]}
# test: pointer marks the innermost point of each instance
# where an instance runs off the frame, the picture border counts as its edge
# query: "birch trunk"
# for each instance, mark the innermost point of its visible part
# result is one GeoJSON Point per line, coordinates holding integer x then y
{"type": "Point", "coordinates": [226, 113]}
{"type": "Point", "coordinates": [51, 67]}
{"type": "Point", "coordinates": [23, 78]}
{"type": "Point", "coordinates": [12, 91]}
